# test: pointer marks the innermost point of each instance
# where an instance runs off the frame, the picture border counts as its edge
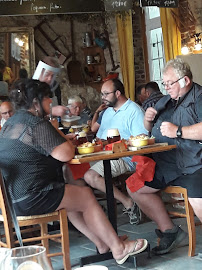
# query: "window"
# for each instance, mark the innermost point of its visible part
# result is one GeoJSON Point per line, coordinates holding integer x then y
{"type": "Point", "coordinates": [156, 56]}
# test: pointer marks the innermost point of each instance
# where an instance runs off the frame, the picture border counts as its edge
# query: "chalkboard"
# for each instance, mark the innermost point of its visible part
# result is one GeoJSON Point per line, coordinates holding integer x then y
{"type": "Point", "coordinates": [159, 3]}
{"type": "Point", "coordinates": [118, 5]}
{"type": "Point", "coordinates": [40, 7]}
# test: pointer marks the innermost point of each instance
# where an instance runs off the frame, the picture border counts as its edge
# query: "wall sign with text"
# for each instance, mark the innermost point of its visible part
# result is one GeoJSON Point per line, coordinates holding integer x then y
{"type": "Point", "coordinates": [40, 7]}
{"type": "Point", "coordinates": [159, 3]}
{"type": "Point", "coordinates": [117, 5]}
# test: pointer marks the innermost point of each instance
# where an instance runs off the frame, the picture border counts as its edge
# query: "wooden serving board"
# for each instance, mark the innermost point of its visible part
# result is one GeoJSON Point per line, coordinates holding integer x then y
{"type": "Point", "coordinates": [134, 148]}
{"type": "Point", "coordinates": [94, 154]}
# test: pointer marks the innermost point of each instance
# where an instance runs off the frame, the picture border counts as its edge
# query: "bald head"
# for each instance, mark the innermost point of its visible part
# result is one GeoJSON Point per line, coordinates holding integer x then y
{"type": "Point", "coordinates": [6, 110]}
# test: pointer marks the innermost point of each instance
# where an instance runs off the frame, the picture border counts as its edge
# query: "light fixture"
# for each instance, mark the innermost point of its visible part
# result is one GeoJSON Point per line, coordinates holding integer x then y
{"type": "Point", "coordinates": [184, 50]}
{"type": "Point", "coordinates": [197, 42]}
{"type": "Point", "coordinates": [20, 43]}
{"type": "Point", "coordinates": [17, 40]}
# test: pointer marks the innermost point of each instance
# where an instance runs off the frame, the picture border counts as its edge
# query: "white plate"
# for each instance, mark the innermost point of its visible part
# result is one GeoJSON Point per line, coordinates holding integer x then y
{"type": "Point", "coordinates": [67, 118]}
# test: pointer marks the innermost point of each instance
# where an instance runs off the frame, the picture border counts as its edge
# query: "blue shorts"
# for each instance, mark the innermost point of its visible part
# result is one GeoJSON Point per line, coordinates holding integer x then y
{"type": "Point", "coordinates": [192, 182]}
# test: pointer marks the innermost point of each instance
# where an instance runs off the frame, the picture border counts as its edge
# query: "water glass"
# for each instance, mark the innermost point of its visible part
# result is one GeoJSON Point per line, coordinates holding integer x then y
{"type": "Point", "coordinates": [27, 258]}
{"type": "Point", "coordinates": [92, 267]}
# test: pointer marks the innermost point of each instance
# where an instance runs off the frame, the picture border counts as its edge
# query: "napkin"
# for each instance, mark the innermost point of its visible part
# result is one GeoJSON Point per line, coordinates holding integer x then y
{"type": "Point", "coordinates": [109, 147]}
{"type": "Point", "coordinates": [78, 170]}
{"type": "Point", "coordinates": [145, 170]}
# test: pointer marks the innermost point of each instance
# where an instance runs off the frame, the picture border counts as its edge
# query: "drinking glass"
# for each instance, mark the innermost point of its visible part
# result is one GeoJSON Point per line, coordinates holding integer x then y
{"type": "Point", "coordinates": [113, 135]}
{"type": "Point", "coordinates": [27, 258]}
{"type": "Point", "coordinates": [92, 267]}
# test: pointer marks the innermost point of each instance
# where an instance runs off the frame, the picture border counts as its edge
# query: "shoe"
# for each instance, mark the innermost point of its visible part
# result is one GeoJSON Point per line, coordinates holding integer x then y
{"type": "Point", "coordinates": [134, 213]}
{"type": "Point", "coordinates": [134, 251]}
{"type": "Point", "coordinates": [169, 240]}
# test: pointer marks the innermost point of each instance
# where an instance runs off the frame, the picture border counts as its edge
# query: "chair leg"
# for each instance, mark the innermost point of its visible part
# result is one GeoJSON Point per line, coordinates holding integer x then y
{"type": "Point", "coordinates": [190, 225]}
{"type": "Point", "coordinates": [65, 239]}
{"type": "Point", "coordinates": [45, 242]}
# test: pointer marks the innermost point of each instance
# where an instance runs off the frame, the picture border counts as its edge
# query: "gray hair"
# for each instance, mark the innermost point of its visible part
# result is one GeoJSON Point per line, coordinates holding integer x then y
{"type": "Point", "coordinates": [180, 67]}
{"type": "Point", "coordinates": [74, 99]}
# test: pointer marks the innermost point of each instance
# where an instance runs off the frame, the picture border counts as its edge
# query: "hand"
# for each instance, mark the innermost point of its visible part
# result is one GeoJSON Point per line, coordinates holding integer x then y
{"type": "Point", "coordinates": [150, 114]}
{"type": "Point", "coordinates": [168, 129]}
{"type": "Point", "coordinates": [59, 110]}
{"type": "Point", "coordinates": [102, 107]}
{"type": "Point", "coordinates": [71, 136]}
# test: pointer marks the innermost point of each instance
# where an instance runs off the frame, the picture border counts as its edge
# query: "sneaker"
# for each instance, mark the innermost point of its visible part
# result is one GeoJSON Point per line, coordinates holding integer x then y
{"type": "Point", "coordinates": [134, 213]}
{"type": "Point", "coordinates": [169, 240]}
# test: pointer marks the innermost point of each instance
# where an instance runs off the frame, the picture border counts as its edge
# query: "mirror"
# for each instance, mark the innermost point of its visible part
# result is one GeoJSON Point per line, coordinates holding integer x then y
{"type": "Point", "coordinates": [17, 49]}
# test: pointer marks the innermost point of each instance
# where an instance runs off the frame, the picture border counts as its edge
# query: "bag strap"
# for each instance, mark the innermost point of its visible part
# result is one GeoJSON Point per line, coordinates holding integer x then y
{"type": "Point", "coordinates": [12, 213]}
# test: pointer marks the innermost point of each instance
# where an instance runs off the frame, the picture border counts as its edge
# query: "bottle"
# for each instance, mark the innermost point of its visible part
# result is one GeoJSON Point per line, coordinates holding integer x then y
{"type": "Point", "coordinates": [59, 122]}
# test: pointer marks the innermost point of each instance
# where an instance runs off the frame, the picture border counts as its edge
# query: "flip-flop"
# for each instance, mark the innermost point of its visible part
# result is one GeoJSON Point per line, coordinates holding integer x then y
{"type": "Point", "coordinates": [134, 252]}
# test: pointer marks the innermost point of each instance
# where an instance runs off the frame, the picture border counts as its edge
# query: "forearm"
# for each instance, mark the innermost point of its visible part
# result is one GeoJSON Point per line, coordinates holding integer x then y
{"type": "Point", "coordinates": [95, 117]}
{"type": "Point", "coordinates": [193, 132]}
{"type": "Point", "coordinates": [148, 125]}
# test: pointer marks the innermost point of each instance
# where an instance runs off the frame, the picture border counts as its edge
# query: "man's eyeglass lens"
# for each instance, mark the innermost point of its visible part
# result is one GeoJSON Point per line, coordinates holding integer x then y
{"type": "Point", "coordinates": [169, 84]}
{"type": "Point", "coordinates": [106, 94]}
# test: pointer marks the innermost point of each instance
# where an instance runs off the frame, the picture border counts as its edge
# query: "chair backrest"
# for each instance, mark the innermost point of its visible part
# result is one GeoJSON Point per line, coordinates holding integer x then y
{"type": "Point", "coordinates": [5, 217]}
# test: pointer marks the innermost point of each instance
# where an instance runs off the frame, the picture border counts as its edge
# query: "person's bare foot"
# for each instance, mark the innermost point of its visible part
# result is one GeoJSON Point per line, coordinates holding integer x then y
{"type": "Point", "coordinates": [130, 248]}
{"type": "Point", "coordinates": [102, 250]}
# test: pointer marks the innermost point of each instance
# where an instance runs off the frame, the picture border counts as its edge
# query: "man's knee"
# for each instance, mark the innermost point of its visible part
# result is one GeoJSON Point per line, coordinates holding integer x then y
{"type": "Point", "coordinates": [90, 177]}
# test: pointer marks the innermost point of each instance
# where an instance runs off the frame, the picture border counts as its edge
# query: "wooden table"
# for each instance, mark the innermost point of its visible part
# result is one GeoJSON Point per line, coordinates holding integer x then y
{"type": "Point", "coordinates": [109, 186]}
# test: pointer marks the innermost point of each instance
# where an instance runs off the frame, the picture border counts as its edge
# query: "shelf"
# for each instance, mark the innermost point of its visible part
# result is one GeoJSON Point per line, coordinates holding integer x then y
{"type": "Point", "coordinates": [95, 64]}
{"type": "Point", "coordinates": [97, 67]}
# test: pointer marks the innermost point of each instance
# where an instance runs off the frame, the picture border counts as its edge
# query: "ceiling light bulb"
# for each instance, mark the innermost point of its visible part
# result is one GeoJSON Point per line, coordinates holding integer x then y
{"type": "Point", "coordinates": [185, 50]}
{"type": "Point", "coordinates": [17, 40]}
{"type": "Point", "coordinates": [197, 46]}
{"type": "Point", "coordinates": [20, 43]}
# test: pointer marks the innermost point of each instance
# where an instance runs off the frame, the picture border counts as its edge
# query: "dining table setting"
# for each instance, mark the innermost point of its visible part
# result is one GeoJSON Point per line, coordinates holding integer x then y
{"type": "Point", "coordinates": [107, 150]}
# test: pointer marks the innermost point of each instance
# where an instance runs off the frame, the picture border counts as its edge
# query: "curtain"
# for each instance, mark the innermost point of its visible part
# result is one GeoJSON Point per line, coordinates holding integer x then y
{"type": "Point", "coordinates": [171, 33]}
{"type": "Point", "coordinates": [125, 37]}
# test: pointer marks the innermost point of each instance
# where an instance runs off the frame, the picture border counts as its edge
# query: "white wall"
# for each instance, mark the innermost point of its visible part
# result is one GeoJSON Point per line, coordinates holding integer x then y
{"type": "Point", "coordinates": [195, 62]}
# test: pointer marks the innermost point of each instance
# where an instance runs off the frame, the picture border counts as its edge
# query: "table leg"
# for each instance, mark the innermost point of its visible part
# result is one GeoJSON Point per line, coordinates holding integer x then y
{"type": "Point", "coordinates": [110, 194]}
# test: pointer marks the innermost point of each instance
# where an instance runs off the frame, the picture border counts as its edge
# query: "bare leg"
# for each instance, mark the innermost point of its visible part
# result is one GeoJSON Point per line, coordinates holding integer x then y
{"type": "Point", "coordinates": [152, 205]}
{"type": "Point", "coordinates": [91, 220]}
{"type": "Point", "coordinates": [94, 180]}
{"type": "Point", "coordinates": [196, 204]}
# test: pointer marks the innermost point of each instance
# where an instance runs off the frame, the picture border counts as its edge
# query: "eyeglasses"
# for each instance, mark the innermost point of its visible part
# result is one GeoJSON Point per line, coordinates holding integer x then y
{"type": "Point", "coordinates": [106, 94]}
{"type": "Point", "coordinates": [169, 84]}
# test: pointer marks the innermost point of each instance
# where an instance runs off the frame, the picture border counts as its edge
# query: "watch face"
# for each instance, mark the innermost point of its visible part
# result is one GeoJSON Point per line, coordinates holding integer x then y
{"type": "Point", "coordinates": [179, 133]}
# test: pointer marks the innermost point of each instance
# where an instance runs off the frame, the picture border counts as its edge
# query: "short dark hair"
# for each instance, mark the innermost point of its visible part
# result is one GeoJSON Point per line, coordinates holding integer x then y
{"type": "Point", "coordinates": [152, 87]}
{"type": "Point", "coordinates": [23, 73]}
{"type": "Point", "coordinates": [118, 85]}
{"type": "Point", "coordinates": [138, 89]}
{"type": "Point", "coordinates": [24, 91]}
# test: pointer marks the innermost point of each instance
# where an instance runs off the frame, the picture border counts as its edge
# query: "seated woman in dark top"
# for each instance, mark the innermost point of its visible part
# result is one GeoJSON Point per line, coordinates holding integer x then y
{"type": "Point", "coordinates": [32, 153]}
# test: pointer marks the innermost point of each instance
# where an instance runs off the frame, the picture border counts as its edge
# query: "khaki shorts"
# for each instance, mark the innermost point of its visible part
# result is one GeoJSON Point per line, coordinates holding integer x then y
{"type": "Point", "coordinates": [118, 167]}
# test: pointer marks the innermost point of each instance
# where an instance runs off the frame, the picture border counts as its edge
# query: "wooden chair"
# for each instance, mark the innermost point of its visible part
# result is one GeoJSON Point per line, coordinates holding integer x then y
{"type": "Point", "coordinates": [189, 214]}
{"type": "Point", "coordinates": [8, 239]}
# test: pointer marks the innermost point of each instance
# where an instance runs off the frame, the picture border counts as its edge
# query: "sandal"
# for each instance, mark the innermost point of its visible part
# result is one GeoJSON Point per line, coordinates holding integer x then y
{"type": "Point", "coordinates": [134, 251]}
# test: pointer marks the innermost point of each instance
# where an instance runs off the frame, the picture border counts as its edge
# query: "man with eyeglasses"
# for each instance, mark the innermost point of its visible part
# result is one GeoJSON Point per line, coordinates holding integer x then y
{"type": "Point", "coordinates": [176, 119]}
{"type": "Point", "coordinates": [6, 111]}
{"type": "Point", "coordinates": [127, 116]}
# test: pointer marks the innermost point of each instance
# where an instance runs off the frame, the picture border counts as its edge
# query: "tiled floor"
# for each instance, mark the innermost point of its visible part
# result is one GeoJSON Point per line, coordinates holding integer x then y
{"type": "Point", "coordinates": [80, 246]}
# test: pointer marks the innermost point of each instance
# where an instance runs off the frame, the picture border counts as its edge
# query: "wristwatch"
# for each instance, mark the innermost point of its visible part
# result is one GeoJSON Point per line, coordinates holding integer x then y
{"type": "Point", "coordinates": [179, 132]}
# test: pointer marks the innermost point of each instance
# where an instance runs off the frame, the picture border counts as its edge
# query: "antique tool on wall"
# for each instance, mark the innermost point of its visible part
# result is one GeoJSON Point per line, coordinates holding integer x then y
{"type": "Point", "coordinates": [114, 67]}
{"type": "Point", "coordinates": [74, 68]}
